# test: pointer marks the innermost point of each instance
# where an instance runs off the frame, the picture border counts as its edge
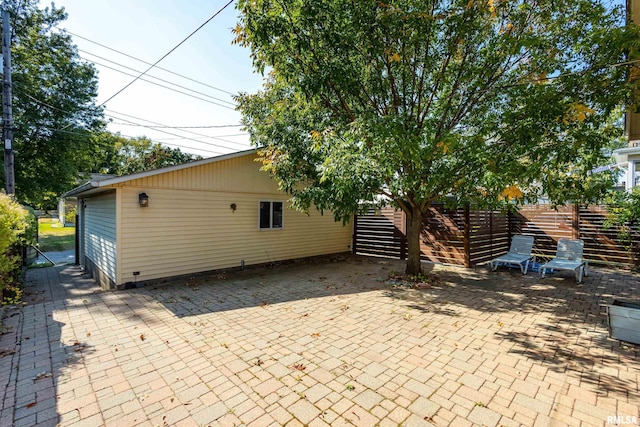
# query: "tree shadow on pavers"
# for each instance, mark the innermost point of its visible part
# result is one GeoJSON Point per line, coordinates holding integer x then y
{"type": "Point", "coordinates": [270, 285]}
{"type": "Point", "coordinates": [81, 292]}
{"type": "Point", "coordinates": [553, 321]}
{"type": "Point", "coordinates": [563, 356]}
{"type": "Point", "coordinates": [43, 361]}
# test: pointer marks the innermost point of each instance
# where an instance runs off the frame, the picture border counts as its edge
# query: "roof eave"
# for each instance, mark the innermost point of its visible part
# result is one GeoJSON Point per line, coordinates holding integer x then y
{"type": "Point", "coordinates": [97, 186]}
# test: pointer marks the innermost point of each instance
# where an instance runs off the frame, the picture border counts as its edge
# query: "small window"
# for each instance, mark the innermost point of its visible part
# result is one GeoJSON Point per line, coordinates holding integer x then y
{"type": "Point", "coordinates": [271, 215]}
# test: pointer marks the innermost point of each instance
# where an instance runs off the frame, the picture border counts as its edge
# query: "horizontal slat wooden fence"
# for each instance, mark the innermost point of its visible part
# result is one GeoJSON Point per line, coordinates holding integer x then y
{"type": "Point", "coordinates": [471, 237]}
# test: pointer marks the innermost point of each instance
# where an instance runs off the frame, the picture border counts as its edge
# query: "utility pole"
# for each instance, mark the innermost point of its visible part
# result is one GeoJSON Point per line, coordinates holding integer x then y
{"type": "Point", "coordinates": [7, 116]}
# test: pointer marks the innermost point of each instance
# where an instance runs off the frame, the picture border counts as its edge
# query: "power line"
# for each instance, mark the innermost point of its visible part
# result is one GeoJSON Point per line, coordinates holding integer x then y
{"type": "Point", "coordinates": [145, 62]}
{"type": "Point", "coordinates": [174, 134]}
{"type": "Point", "coordinates": [162, 124]}
{"type": "Point", "coordinates": [167, 87]}
{"type": "Point", "coordinates": [194, 127]}
{"type": "Point", "coordinates": [153, 77]}
{"type": "Point", "coordinates": [217, 136]}
{"type": "Point", "coordinates": [142, 125]}
{"type": "Point", "coordinates": [168, 53]}
{"type": "Point", "coordinates": [134, 137]}
{"type": "Point", "coordinates": [180, 136]}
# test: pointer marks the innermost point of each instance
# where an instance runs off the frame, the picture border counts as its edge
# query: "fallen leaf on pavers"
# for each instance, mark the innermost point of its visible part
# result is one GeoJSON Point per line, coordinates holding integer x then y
{"type": "Point", "coordinates": [315, 335]}
{"type": "Point", "coordinates": [351, 387]}
{"type": "Point", "coordinates": [31, 405]}
{"type": "Point", "coordinates": [264, 304]}
{"type": "Point", "coordinates": [6, 352]}
{"type": "Point", "coordinates": [305, 315]}
{"type": "Point", "coordinates": [259, 362]}
{"type": "Point", "coordinates": [344, 307]}
{"type": "Point", "coordinates": [500, 324]}
{"type": "Point", "coordinates": [88, 333]}
{"type": "Point", "coordinates": [42, 375]}
{"type": "Point", "coordinates": [430, 419]}
{"type": "Point", "coordinates": [141, 337]}
{"type": "Point", "coordinates": [298, 366]}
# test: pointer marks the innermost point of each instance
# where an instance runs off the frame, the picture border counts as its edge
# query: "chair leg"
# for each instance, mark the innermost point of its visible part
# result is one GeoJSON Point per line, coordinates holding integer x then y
{"type": "Point", "coordinates": [586, 268]}
{"type": "Point", "coordinates": [579, 272]}
{"type": "Point", "coordinates": [542, 271]}
{"type": "Point", "coordinates": [526, 267]}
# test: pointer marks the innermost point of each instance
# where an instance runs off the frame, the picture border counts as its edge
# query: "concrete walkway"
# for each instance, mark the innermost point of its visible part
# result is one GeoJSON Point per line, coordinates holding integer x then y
{"type": "Point", "coordinates": [320, 343]}
{"type": "Point", "coordinates": [58, 258]}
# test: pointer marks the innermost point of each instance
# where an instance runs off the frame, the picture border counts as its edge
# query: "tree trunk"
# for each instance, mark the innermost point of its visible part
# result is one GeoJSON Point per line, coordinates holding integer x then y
{"type": "Point", "coordinates": [414, 229]}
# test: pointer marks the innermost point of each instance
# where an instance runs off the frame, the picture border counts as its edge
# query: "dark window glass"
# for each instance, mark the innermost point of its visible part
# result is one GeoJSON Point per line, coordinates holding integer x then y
{"type": "Point", "coordinates": [265, 214]}
{"type": "Point", "coordinates": [277, 215]}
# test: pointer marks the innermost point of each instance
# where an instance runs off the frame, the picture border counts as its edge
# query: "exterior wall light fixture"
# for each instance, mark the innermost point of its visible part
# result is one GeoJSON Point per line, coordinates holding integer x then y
{"type": "Point", "coordinates": [143, 200]}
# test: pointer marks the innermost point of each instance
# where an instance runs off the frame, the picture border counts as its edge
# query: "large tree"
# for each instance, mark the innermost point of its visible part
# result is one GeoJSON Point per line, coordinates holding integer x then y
{"type": "Point", "coordinates": [54, 109]}
{"type": "Point", "coordinates": [124, 156]}
{"type": "Point", "coordinates": [412, 101]}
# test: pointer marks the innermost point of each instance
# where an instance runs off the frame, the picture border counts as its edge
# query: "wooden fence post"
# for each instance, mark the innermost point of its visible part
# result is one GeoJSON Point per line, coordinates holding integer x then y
{"type": "Point", "coordinates": [575, 222]}
{"type": "Point", "coordinates": [467, 237]}
{"type": "Point", "coordinates": [354, 243]}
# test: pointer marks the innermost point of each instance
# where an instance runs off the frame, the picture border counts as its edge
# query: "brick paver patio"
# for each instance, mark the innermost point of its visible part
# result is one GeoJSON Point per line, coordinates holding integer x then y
{"type": "Point", "coordinates": [320, 343]}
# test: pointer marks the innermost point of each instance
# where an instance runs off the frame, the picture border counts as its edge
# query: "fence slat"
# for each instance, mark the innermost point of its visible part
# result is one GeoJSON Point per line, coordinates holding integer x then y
{"type": "Point", "coordinates": [473, 237]}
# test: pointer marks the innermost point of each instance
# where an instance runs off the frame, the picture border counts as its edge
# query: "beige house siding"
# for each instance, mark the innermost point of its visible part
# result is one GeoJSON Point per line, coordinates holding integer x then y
{"type": "Point", "coordinates": [183, 232]}
{"type": "Point", "coordinates": [100, 233]}
{"type": "Point", "coordinates": [190, 227]}
{"type": "Point", "coordinates": [238, 174]}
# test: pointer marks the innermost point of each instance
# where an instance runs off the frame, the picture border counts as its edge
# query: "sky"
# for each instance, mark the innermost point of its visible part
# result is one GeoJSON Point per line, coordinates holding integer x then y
{"type": "Point", "coordinates": [207, 67]}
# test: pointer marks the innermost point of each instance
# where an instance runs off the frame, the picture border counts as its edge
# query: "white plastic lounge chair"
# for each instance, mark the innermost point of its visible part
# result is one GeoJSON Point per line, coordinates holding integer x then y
{"type": "Point", "coordinates": [568, 257]}
{"type": "Point", "coordinates": [519, 254]}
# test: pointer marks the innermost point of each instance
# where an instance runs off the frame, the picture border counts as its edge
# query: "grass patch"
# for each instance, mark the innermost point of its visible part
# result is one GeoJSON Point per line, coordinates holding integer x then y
{"type": "Point", "coordinates": [41, 265]}
{"type": "Point", "coordinates": [53, 237]}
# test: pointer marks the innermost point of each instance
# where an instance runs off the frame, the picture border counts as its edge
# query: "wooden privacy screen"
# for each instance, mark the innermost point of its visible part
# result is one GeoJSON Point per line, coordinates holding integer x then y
{"type": "Point", "coordinates": [471, 237]}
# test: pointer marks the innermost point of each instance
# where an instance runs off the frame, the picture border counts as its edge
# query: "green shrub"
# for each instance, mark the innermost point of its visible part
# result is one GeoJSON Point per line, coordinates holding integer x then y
{"type": "Point", "coordinates": [18, 228]}
{"type": "Point", "coordinates": [70, 215]}
{"type": "Point", "coordinates": [624, 215]}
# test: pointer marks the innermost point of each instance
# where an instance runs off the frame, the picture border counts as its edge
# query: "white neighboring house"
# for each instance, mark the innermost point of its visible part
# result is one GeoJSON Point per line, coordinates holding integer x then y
{"type": "Point", "coordinates": [628, 159]}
